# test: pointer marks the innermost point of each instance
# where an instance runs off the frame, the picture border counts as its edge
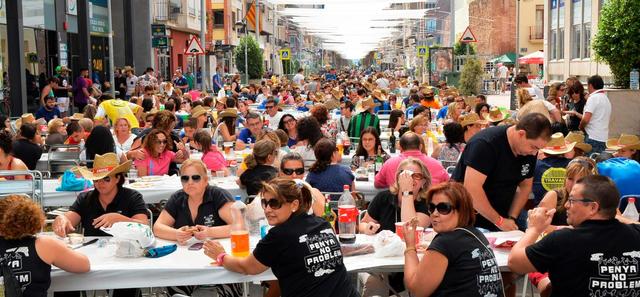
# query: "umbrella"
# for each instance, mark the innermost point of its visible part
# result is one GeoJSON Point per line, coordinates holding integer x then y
{"type": "Point", "coordinates": [532, 58]}
{"type": "Point", "coordinates": [506, 58]}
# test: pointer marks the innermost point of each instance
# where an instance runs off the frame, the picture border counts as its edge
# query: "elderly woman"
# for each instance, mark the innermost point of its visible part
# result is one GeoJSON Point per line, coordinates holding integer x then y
{"type": "Point", "coordinates": [20, 220]}
{"type": "Point", "coordinates": [158, 154]}
{"type": "Point", "coordinates": [122, 135]}
{"type": "Point", "coordinates": [458, 262]}
{"type": "Point", "coordinates": [286, 203]}
{"type": "Point", "coordinates": [403, 201]}
{"type": "Point", "coordinates": [57, 132]}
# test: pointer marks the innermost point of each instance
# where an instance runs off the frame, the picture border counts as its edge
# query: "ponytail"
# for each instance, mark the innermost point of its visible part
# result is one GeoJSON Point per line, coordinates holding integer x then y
{"type": "Point", "coordinates": [251, 161]}
{"type": "Point", "coordinates": [306, 197]}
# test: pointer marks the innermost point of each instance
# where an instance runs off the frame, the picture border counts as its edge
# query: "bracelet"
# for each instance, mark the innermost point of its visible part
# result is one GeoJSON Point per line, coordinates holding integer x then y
{"type": "Point", "coordinates": [409, 249]}
{"type": "Point", "coordinates": [500, 222]}
{"type": "Point", "coordinates": [220, 258]}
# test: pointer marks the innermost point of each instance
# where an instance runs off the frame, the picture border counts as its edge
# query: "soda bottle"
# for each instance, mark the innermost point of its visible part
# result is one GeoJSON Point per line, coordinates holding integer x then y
{"type": "Point", "coordinates": [239, 230]}
{"type": "Point", "coordinates": [328, 214]}
{"type": "Point", "coordinates": [347, 217]}
{"type": "Point", "coordinates": [392, 142]}
{"type": "Point", "coordinates": [631, 212]}
{"type": "Point", "coordinates": [346, 142]}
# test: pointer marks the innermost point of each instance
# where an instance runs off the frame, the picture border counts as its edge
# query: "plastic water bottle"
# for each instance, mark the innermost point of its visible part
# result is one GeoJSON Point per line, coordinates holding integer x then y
{"type": "Point", "coordinates": [634, 79]}
{"type": "Point", "coordinates": [631, 212]}
{"type": "Point", "coordinates": [347, 217]}
{"type": "Point", "coordinates": [81, 145]}
{"type": "Point", "coordinates": [239, 230]}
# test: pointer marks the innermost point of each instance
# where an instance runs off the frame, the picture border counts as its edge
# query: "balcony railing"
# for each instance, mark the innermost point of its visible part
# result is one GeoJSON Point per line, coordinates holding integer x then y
{"type": "Point", "coordinates": [536, 33]}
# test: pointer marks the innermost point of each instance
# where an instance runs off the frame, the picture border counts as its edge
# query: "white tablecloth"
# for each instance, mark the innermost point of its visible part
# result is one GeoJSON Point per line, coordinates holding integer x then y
{"type": "Point", "coordinates": [156, 191]}
{"type": "Point", "coordinates": [185, 267]}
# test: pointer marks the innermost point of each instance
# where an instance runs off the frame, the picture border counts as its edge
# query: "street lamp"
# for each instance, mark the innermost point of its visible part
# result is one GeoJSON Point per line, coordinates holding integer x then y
{"type": "Point", "coordinates": [243, 25]}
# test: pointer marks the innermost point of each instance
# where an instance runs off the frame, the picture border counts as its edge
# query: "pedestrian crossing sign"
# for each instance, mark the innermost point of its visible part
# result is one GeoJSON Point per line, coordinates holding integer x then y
{"type": "Point", "coordinates": [422, 51]}
{"type": "Point", "coordinates": [285, 54]}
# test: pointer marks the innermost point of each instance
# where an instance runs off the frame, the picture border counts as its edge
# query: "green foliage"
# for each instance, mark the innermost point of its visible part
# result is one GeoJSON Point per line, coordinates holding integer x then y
{"type": "Point", "coordinates": [290, 66]}
{"type": "Point", "coordinates": [460, 49]}
{"type": "Point", "coordinates": [254, 55]}
{"type": "Point", "coordinates": [617, 41]}
{"type": "Point", "coordinates": [471, 77]}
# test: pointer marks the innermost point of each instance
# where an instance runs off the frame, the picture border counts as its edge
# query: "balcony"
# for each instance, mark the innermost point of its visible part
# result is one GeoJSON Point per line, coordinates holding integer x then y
{"type": "Point", "coordinates": [536, 33]}
{"type": "Point", "coordinates": [177, 14]}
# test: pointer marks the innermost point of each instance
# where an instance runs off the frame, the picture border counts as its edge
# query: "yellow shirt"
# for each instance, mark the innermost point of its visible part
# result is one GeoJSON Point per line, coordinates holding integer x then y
{"type": "Point", "coordinates": [116, 108]}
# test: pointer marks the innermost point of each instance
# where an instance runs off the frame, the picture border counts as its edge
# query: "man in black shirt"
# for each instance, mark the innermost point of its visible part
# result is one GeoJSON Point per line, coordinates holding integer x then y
{"type": "Point", "coordinates": [26, 147]}
{"type": "Point", "coordinates": [598, 257]}
{"type": "Point", "coordinates": [498, 161]}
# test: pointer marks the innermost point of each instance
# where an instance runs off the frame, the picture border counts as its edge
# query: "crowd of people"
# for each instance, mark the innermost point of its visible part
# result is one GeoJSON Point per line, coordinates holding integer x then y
{"type": "Point", "coordinates": [440, 159]}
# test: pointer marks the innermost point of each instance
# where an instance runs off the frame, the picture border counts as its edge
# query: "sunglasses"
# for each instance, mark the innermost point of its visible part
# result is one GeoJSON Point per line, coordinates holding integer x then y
{"type": "Point", "coordinates": [443, 208]}
{"type": "Point", "coordinates": [161, 142]}
{"type": "Point", "coordinates": [270, 107]}
{"type": "Point", "coordinates": [195, 178]}
{"type": "Point", "coordinates": [105, 179]}
{"type": "Point", "coordinates": [290, 171]}
{"type": "Point", "coordinates": [274, 204]}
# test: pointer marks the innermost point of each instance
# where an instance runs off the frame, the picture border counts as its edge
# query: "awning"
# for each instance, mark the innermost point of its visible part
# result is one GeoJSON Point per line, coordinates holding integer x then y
{"type": "Point", "coordinates": [532, 58]}
{"type": "Point", "coordinates": [508, 58]}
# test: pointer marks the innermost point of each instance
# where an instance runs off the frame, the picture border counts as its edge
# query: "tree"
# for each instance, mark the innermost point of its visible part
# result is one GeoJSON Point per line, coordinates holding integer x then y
{"type": "Point", "coordinates": [460, 49]}
{"type": "Point", "coordinates": [617, 41]}
{"type": "Point", "coordinates": [471, 77]}
{"type": "Point", "coordinates": [254, 55]}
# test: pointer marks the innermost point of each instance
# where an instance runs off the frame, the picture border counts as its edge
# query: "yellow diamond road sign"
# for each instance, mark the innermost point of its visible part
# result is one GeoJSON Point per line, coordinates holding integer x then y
{"type": "Point", "coordinates": [285, 54]}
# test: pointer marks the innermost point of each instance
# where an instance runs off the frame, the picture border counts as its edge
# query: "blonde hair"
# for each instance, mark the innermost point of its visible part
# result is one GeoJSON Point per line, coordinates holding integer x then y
{"type": "Point", "coordinates": [578, 167]}
{"type": "Point", "coordinates": [523, 97]}
{"type": "Point", "coordinates": [55, 125]}
{"type": "Point", "coordinates": [261, 151]}
{"type": "Point", "coordinates": [417, 120]}
{"type": "Point", "coordinates": [273, 136]}
{"type": "Point", "coordinates": [86, 124]}
{"type": "Point", "coordinates": [422, 194]}
{"type": "Point", "coordinates": [118, 120]}
{"type": "Point", "coordinates": [198, 164]}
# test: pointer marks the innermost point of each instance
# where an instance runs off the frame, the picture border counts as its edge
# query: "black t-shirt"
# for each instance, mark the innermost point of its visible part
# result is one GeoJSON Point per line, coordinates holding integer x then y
{"type": "Point", "coordinates": [127, 202]}
{"type": "Point", "coordinates": [252, 178]}
{"type": "Point", "coordinates": [33, 274]}
{"type": "Point", "coordinates": [574, 121]}
{"type": "Point", "coordinates": [472, 269]}
{"type": "Point", "coordinates": [304, 254]}
{"type": "Point", "coordinates": [598, 258]}
{"type": "Point", "coordinates": [214, 199]}
{"type": "Point", "coordinates": [385, 210]}
{"type": "Point", "coordinates": [28, 152]}
{"type": "Point", "coordinates": [489, 153]}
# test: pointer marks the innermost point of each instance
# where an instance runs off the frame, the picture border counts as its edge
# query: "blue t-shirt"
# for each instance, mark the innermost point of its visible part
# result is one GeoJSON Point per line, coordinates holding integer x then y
{"type": "Point", "coordinates": [384, 105]}
{"type": "Point", "coordinates": [331, 179]}
{"type": "Point", "coordinates": [442, 113]}
{"type": "Point", "coordinates": [409, 113]}
{"type": "Point", "coordinates": [245, 136]}
{"type": "Point", "coordinates": [181, 81]}
{"type": "Point", "coordinates": [549, 175]}
{"type": "Point", "coordinates": [48, 115]}
{"type": "Point", "coordinates": [291, 142]}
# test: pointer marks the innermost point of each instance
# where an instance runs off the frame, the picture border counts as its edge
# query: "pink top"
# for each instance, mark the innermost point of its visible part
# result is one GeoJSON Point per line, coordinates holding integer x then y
{"type": "Point", "coordinates": [214, 159]}
{"type": "Point", "coordinates": [387, 175]}
{"type": "Point", "coordinates": [156, 166]}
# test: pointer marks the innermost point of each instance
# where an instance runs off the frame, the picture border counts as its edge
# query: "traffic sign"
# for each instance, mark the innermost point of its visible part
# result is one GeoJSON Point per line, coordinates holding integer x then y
{"type": "Point", "coordinates": [160, 42]}
{"type": "Point", "coordinates": [194, 47]}
{"type": "Point", "coordinates": [158, 30]}
{"type": "Point", "coordinates": [468, 36]}
{"type": "Point", "coordinates": [285, 54]}
{"type": "Point", "coordinates": [422, 51]}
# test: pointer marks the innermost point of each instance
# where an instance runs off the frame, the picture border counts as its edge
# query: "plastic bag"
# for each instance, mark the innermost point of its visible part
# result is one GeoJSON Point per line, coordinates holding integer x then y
{"type": "Point", "coordinates": [255, 212]}
{"type": "Point", "coordinates": [72, 183]}
{"type": "Point", "coordinates": [131, 238]}
{"type": "Point", "coordinates": [388, 244]}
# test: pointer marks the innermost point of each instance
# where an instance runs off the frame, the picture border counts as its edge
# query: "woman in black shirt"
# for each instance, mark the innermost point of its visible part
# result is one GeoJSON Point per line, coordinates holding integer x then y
{"type": "Point", "coordinates": [459, 261]}
{"type": "Point", "coordinates": [575, 106]}
{"type": "Point", "coordinates": [301, 249]}
{"type": "Point", "coordinates": [259, 166]}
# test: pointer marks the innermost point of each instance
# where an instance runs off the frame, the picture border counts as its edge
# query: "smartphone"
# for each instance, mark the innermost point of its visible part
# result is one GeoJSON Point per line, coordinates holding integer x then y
{"type": "Point", "coordinates": [196, 246]}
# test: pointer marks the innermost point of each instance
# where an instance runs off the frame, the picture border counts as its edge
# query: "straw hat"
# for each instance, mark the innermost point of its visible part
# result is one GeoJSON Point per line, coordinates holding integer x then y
{"type": "Point", "coordinates": [127, 69]}
{"type": "Point", "coordinates": [377, 93]}
{"type": "Point", "coordinates": [557, 145]}
{"type": "Point", "coordinates": [319, 96]}
{"type": "Point", "coordinates": [104, 165]}
{"type": "Point", "coordinates": [626, 141]}
{"type": "Point", "coordinates": [494, 115]}
{"type": "Point", "coordinates": [368, 103]}
{"type": "Point", "coordinates": [337, 93]}
{"type": "Point", "coordinates": [25, 118]}
{"type": "Point", "coordinates": [62, 68]}
{"type": "Point", "coordinates": [578, 138]}
{"type": "Point", "coordinates": [198, 111]}
{"type": "Point", "coordinates": [229, 112]}
{"type": "Point", "coordinates": [472, 118]}
{"type": "Point", "coordinates": [76, 117]}
{"type": "Point", "coordinates": [368, 86]}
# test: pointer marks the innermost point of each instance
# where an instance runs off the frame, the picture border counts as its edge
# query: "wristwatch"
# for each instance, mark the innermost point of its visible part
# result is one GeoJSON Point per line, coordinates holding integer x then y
{"type": "Point", "coordinates": [407, 193]}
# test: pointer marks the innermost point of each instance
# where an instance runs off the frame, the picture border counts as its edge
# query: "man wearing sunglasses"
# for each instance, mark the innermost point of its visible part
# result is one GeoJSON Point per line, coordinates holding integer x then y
{"type": "Point", "coordinates": [597, 257]}
{"type": "Point", "coordinates": [272, 114]}
{"type": "Point", "coordinates": [498, 161]}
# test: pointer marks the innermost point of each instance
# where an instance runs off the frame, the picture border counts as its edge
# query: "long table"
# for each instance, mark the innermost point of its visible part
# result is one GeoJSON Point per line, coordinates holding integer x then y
{"type": "Point", "coordinates": [185, 267]}
{"type": "Point", "coordinates": [156, 191]}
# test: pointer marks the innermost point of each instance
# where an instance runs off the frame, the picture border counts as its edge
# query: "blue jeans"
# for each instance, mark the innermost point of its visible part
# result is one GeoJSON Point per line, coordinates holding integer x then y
{"type": "Point", "coordinates": [596, 146]}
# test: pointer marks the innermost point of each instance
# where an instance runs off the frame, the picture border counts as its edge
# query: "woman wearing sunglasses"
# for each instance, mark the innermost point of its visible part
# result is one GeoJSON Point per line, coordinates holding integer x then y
{"type": "Point", "coordinates": [288, 124]}
{"type": "Point", "coordinates": [292, 167]}
{"type": "Point", "coordinates": [458, 261]}
{"type": "Point", "coordinates": [403, 201]}
{"type": "Point", "coordinates": [291, 248]}
{"type": "Point", "coordinates": [158, 154]}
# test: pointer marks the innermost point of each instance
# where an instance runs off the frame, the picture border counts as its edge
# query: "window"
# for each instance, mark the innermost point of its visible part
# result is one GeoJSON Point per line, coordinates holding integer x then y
{"type": "Point", "coordinates": [586, 29]}
{"type": "Point", "coordinates": [539, 19]}
{"type": "Point", "coordinates": [431, 26]}
{"type": "Point", "coordinates": [218, 18]}
{"type": "Point", "coordinates": [561, 29]}
{"type": "Point", "coordinates": [553, 43]}
{"type": "Point", "coordinates": [575, 41]}
{"type": "Point", "coordinates": [553, 36]}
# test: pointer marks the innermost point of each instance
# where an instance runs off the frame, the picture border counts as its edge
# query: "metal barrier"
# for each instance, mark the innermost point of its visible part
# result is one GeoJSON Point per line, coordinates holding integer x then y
{"type": "Point", "coordinates": [31, 186]}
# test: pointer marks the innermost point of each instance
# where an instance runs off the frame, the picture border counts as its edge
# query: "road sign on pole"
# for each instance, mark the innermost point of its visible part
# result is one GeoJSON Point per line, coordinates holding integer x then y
{"type": "Point", "coordinates": [194, 47]}
{"type": "Point", "coordinates": [468, 36]}
{"type": "Point", "coordinates": [285, 54]}
{"type": "Point", "coordinates": [422, 51]}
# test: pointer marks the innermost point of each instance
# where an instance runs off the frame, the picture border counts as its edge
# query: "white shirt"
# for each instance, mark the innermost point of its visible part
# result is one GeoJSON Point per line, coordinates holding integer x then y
{"type": "Point", "coordinates": [502, 71]}
{"type": "Point", "coordinates": [260, 98]}
{"type": "Point", "coordinates": [536, 93]}
{"type": "Point", "coordinates": [298, 79]}
{"type": "Point", "coordinates": [600, 108]}
{"type": "Point", "coordinates": [274, 121]}
{"type": "Point", "coordinates": [131, 84]}
{"type": "Point", "coordinates": [126, 146]}
{"type": "Point", "coordinates": [382, 83]}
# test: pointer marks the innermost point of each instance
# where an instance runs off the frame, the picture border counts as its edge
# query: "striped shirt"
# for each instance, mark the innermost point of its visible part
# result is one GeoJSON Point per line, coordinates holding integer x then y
{"type": "Point", "coordinates": [362, 121]}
